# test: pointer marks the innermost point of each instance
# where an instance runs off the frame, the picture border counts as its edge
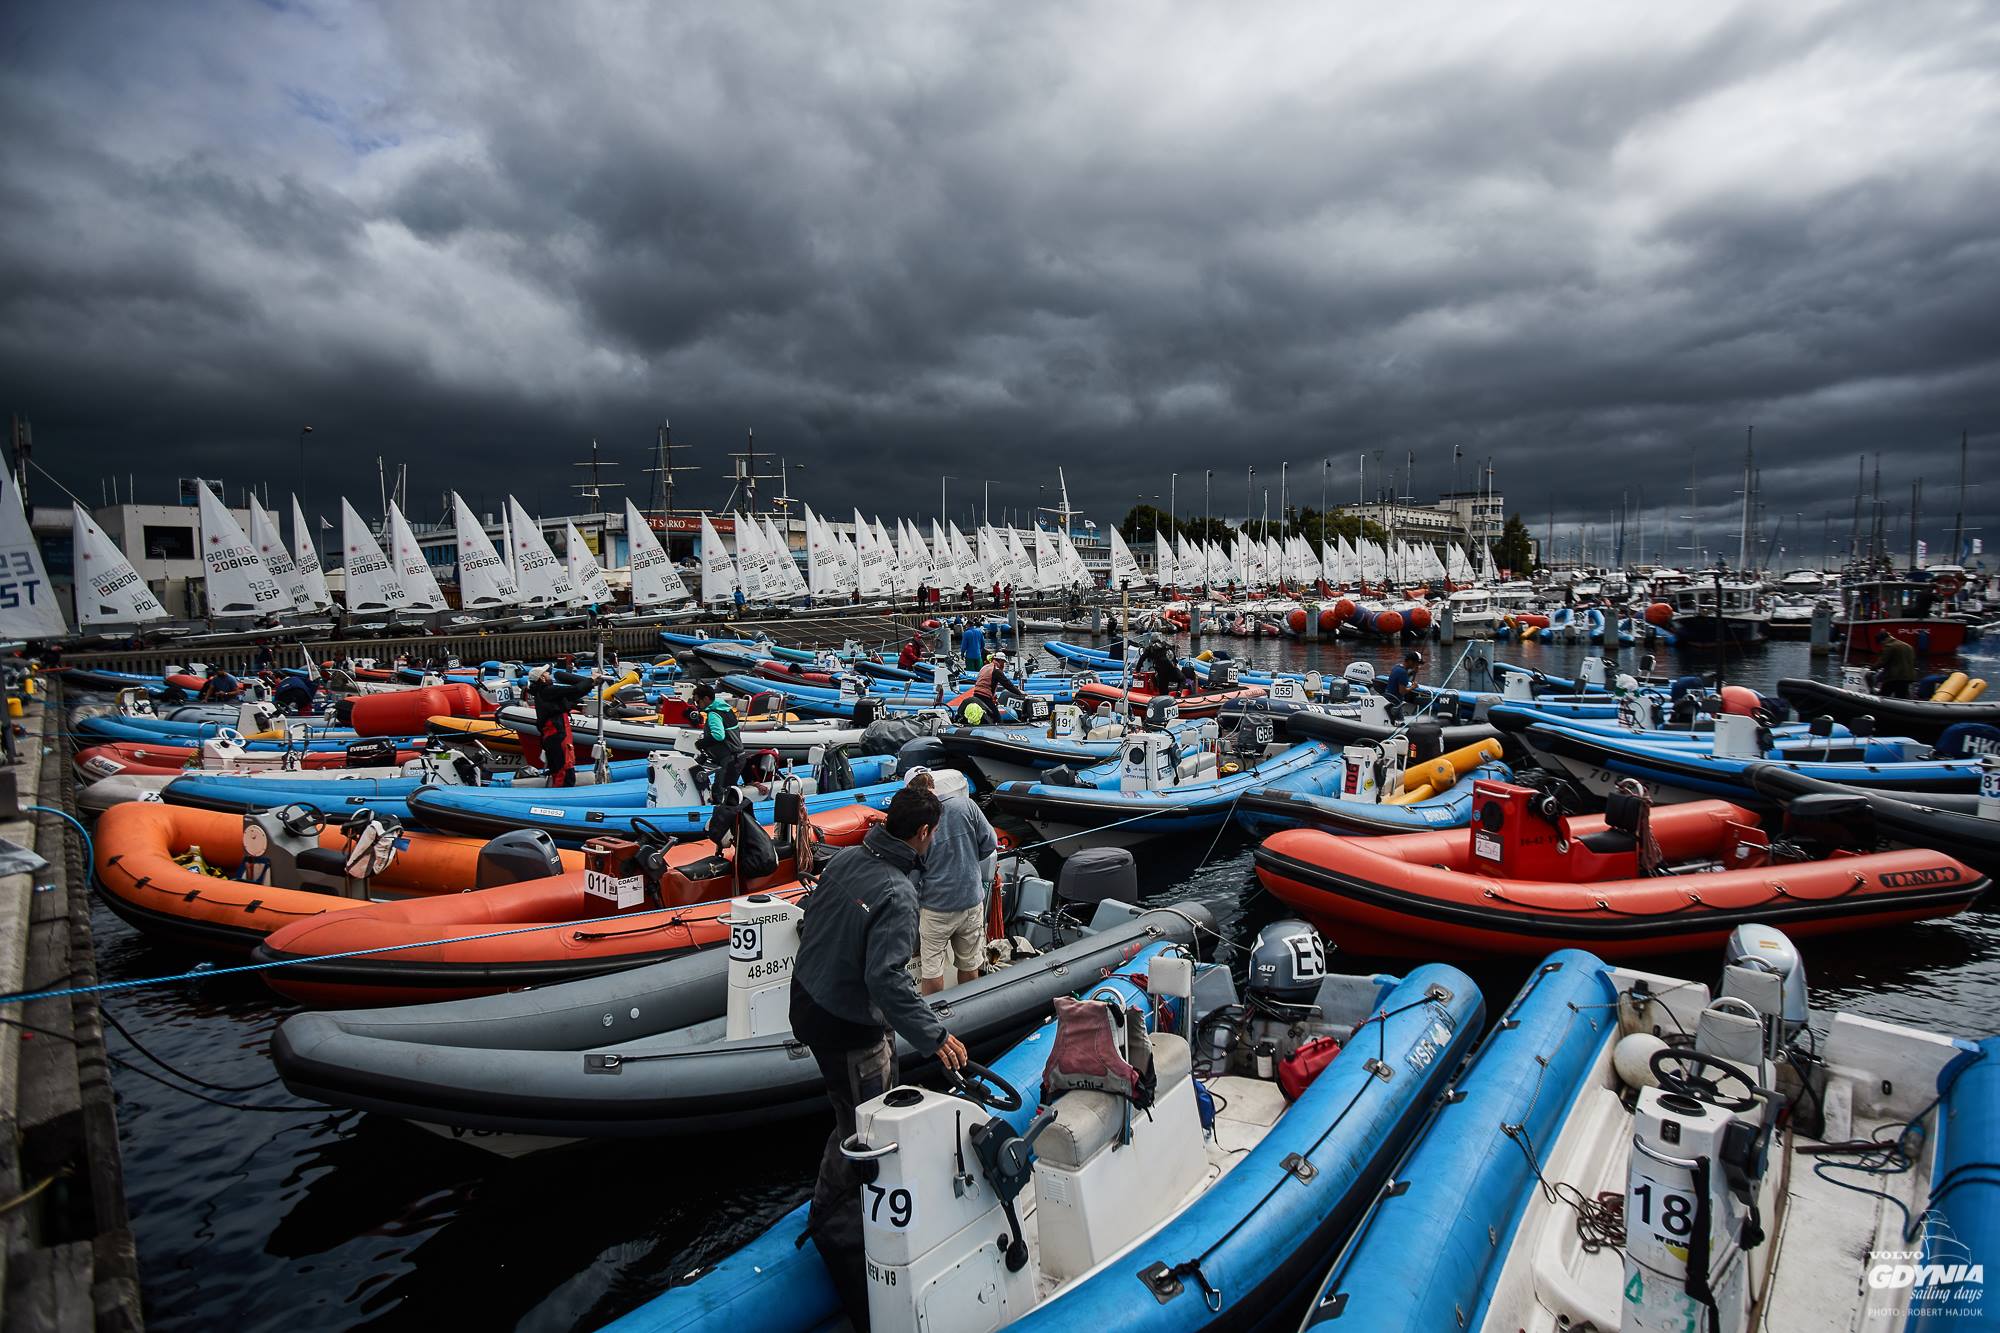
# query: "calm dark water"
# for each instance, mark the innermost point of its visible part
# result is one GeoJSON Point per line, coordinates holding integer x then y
{"type": "Point", "coordinates": [317, 1220]}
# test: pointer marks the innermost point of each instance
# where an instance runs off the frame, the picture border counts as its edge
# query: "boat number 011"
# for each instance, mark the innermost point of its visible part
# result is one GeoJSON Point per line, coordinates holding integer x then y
{"type": "Point", "coordinates": [892, 1208]}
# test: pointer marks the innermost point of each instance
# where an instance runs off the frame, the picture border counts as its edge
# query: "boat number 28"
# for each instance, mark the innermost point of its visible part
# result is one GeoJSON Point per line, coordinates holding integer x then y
{"type": "Point", "coordinates": [892, 1208]}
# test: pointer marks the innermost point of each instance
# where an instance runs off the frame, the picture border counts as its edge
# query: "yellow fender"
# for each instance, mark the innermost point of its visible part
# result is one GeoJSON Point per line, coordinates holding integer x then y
{"type": "Point", "coordinates": [1973, 689]}
{"type": "Point", "coordinates": [1446, 769]}
{"type": "Point", "coordinates": [1947, 690]}
{"type": "Point", "coordinates": [1410, 795]}
{"type": "Point", "coordinates": [612, 687]}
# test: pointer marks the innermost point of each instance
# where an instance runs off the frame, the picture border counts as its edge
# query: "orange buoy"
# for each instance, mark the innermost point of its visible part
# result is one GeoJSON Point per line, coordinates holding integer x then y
{"type": "Point", "coordinates": [1329, 620]}
{"type": "Point", "coordinates": [1659, 613]}
{"type": "Point", "coordinates": [1295, 621]}
{"type": "Point", "coordinates": [1388, 622]}
{"type": "Point", "coordinates": [1420, 618]}
{"type": "Point", "coordinates": [1740, 700]}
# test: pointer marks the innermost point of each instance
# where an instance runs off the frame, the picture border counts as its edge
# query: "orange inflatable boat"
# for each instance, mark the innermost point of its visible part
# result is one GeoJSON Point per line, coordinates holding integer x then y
{"type": "Point", "coordinates": [1525, 879]}
{"type": "Point", "coordinates": [529, 934]}
{"type": "Point", "coordinates": [138, 843]}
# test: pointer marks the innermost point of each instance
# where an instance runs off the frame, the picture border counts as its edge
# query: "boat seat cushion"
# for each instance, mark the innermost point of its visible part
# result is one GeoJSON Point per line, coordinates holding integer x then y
{"type": "Point", "coordinates": [1737, 1038]}
{"type": "Point", "coordinates": [1086, 1121]}
{"type": "Point", "coordinates": [330, 862]}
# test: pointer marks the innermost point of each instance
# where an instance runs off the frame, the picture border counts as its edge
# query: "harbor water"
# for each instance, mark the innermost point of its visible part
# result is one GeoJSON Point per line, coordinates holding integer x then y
{"type": "Point", "coordinates": [286, 1218]}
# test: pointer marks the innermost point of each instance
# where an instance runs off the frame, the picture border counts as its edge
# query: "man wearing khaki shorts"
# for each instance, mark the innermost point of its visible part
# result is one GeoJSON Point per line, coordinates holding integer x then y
{"type": "Point", "coordinates": [951, 894]}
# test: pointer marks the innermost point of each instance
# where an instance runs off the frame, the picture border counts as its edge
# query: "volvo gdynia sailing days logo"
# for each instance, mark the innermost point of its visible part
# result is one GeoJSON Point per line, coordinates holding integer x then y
{"type": "Point", "coordinates": [1940, 1277]}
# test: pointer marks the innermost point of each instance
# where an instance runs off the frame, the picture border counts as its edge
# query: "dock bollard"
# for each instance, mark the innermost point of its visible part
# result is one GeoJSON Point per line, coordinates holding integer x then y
{"type": "Point", "coordinates": [1312, 622]}
{"type": "Point", "coordinates": [1822, 628]}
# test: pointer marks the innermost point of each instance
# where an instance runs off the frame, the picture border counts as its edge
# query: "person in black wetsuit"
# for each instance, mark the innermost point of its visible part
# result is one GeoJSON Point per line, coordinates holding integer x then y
{"type": "Point", "coordinates": [553, 703]}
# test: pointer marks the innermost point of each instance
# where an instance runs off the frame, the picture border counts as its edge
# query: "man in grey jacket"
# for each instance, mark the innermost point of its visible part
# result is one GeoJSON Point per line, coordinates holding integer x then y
{"type": "Point", "coordinates": [951, 896]}
{"type": "Point", "coordinates": [851, 986]}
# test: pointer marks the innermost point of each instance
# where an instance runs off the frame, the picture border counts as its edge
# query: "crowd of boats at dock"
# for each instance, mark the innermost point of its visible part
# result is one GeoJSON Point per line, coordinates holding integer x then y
{"type": "Point", "coordinates": [521, 966]}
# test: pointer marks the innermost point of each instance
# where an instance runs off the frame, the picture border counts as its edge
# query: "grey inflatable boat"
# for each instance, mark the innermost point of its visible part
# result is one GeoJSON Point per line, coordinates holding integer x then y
{"type": "Point", "coordinates": [697, 1043]}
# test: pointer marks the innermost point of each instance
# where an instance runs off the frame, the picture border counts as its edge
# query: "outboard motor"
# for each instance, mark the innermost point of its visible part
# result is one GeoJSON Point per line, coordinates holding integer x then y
{"type": "Point", "coordinates": [1517, 687]}
{"type": "Point", "coordinates": [1221, 675]}
{"type": "Point", "coordinates": [370, 754]}
{"type": "Point", "coordinates": [1162, 712]}
{"type": "Point", "coordinates": [1426, 737]}
{"type": "Point", "coordinates": [1095, 876]}
{"type": "Point", "coordinates": [1827, 821]}
{"type": "Point", "coordinates": [763, 945]}
{"type": "Point", "coordinates": [1592, 674]}
{"type": "Point", "coordinates": [517, 856]}
{"type": "Point", "coordinates": [1760, 964]}
{"type": "Point", "coordinates": [921, 752]}
{"type": "Point", "coordinates": [867, 711]}
{"type": "Point", "coordinates": [1287, 964]}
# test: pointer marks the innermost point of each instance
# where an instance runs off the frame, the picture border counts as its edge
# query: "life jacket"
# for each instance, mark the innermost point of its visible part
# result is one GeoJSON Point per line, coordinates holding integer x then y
{"type": "Point", "coordinates": [732, 732]}
{"type": "Point", "coordinates": [1085, 1052]}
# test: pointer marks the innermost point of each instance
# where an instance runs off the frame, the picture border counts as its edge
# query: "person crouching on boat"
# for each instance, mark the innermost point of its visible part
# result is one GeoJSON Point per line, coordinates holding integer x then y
{"type": "Point", "coordinates": [553, 703]}
{"type": "Point", "coordinates": [951, 893]}
{"type": "Point", "coordinates": [1399, 685]}
{"type": "Point", "coordinates": [219, 687]}
{"type": "Point", "coordinates": [719, 737]}
{"type": "Point", "coordinates": [1895, 667]}
{"type": "Point", "coordinates": [1159, 660]}
{"type": "Point", "coordinates": [913, 651]}
{"type": "Point", "coordinates": [987, 691]}
{"type": "Point", "coordinates": [851, 986]}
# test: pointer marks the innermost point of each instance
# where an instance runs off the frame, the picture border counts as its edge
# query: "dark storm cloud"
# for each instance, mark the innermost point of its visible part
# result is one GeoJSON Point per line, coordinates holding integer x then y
{"type": "Point", "coordinates": [1591, 244]}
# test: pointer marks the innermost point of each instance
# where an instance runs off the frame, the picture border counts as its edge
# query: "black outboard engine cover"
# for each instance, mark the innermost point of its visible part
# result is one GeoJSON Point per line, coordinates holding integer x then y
{"type": "Point", "coordinates": [1684, 709]}
{"type": "Point", "coordinates": [1426, 739]}
{"type": "Point", "coordinates": [923, 752]}
{"type": "Point", "coordinates": [887, 736]}
{"type": "Point", "coordinates": [370, 754]}
{"type": "Point", "coordinates": [1221, 675]}
{"type": "Point", "coordinates": [518, 856]}
{"type": "Point", "coordinates": [1159, 712]}
{"type": "Point", "coordinates": [1830, 819]}
{"type": "Point", "coordinates": [866, 711]}
{"type": "Point", "coordinates": [1097, 873]}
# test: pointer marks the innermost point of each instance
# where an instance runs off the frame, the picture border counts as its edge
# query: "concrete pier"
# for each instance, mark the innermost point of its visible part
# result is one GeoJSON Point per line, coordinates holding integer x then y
{"type": "Point", "coordinates": [65, 1239]}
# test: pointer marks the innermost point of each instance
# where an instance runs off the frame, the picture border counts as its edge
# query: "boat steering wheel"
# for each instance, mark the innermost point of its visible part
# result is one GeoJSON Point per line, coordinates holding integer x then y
{"type": "Point", "coordinates": [982, 1087]}
{"type": "Point", "coordinates": [1676, 1068]}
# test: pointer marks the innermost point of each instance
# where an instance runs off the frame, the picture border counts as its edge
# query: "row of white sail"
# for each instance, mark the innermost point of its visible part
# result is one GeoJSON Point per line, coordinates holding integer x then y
{"type": "Point", "coordinates": [873, 562]}
{"type": "Point", "coordinates": [1247, 562]}
{"type": "Point", "coordinates": [255, 574]}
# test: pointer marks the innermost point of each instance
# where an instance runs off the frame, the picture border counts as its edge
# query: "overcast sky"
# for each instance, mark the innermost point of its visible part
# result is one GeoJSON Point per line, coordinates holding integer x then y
{"type": "Point", "coordinates": [1590, 242]}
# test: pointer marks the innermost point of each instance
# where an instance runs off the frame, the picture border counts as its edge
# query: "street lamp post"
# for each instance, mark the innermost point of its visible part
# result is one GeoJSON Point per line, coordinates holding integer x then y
{"type": "Point", "coordinates": [1207, 517]}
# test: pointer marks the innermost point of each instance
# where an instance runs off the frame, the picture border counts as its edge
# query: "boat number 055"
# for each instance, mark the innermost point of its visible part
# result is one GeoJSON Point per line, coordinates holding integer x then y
{"type": "Point", "coordinates": [892, 1208]}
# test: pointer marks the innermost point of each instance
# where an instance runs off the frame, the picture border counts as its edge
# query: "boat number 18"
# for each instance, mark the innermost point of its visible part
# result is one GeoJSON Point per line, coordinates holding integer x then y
{"type": "Point", "coordinates": [1675, 1210]}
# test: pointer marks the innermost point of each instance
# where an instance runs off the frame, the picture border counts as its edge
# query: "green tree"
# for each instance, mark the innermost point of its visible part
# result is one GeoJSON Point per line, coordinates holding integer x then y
{"type": "Point", "coordinates": [1514, 553]}
{"type": "Point", "coordinates": [1143, 521]}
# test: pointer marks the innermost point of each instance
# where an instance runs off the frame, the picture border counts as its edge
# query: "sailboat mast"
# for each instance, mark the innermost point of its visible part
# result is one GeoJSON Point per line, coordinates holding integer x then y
{"type": "Point", "coordinates": [1749, 483]}
{"type": "Point", "coordinates": [1958, 523]}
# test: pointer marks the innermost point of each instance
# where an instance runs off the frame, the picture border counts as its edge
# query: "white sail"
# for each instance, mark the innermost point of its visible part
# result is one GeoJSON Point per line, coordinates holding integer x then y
{"type": "Point", "coordinates": [827, 560]}
{"type": "Point", "coordinates": [108, 590]}
{"type": "Point", "coordinates": [1218, 567]}
{"type": "Point", "coordinates": [236, 582]}
{"type": "Point", "coordinates": [992, 557]}
{"type": "Point", "coordinates": [718, 571]}
{"type": "Point", "coordinates": [270, 546]}
{"type": "Point", "coordinates": [915, 560]}
{"type": "Point", "coordinates": [371, 582]}
{"type": "Point", "coordinates": [1020, 564]}
{"type": "Point", "coordinates": [541, 577]}
{"type": "Point", "coordinates": [749, 560]}
{"type": "Point", "coordinates": [872, 568]}
{"type": "Point", "coordinates": [1125, 571]}
{"type": "Point", "coordinates": [1074, 570]}
{"type": "Point", "coordinates": [483, 577]}
{"type": "Point", "coordinates": [305, 559]}
{"type": "Point", "coordinates": [963, 562]}
{"type": "Point", "coordinates": [1048, 561]}
{"type": "Point", "coordinates": [592, 588]}
{"type": "Point", "coordinates": [28, 607]}
{"type": "Point", "coordinates": [654, 578]}
{"type": "Point", "coordinates": [412, 569]}
{"type": "Point", "coordinates": [789, 578]}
